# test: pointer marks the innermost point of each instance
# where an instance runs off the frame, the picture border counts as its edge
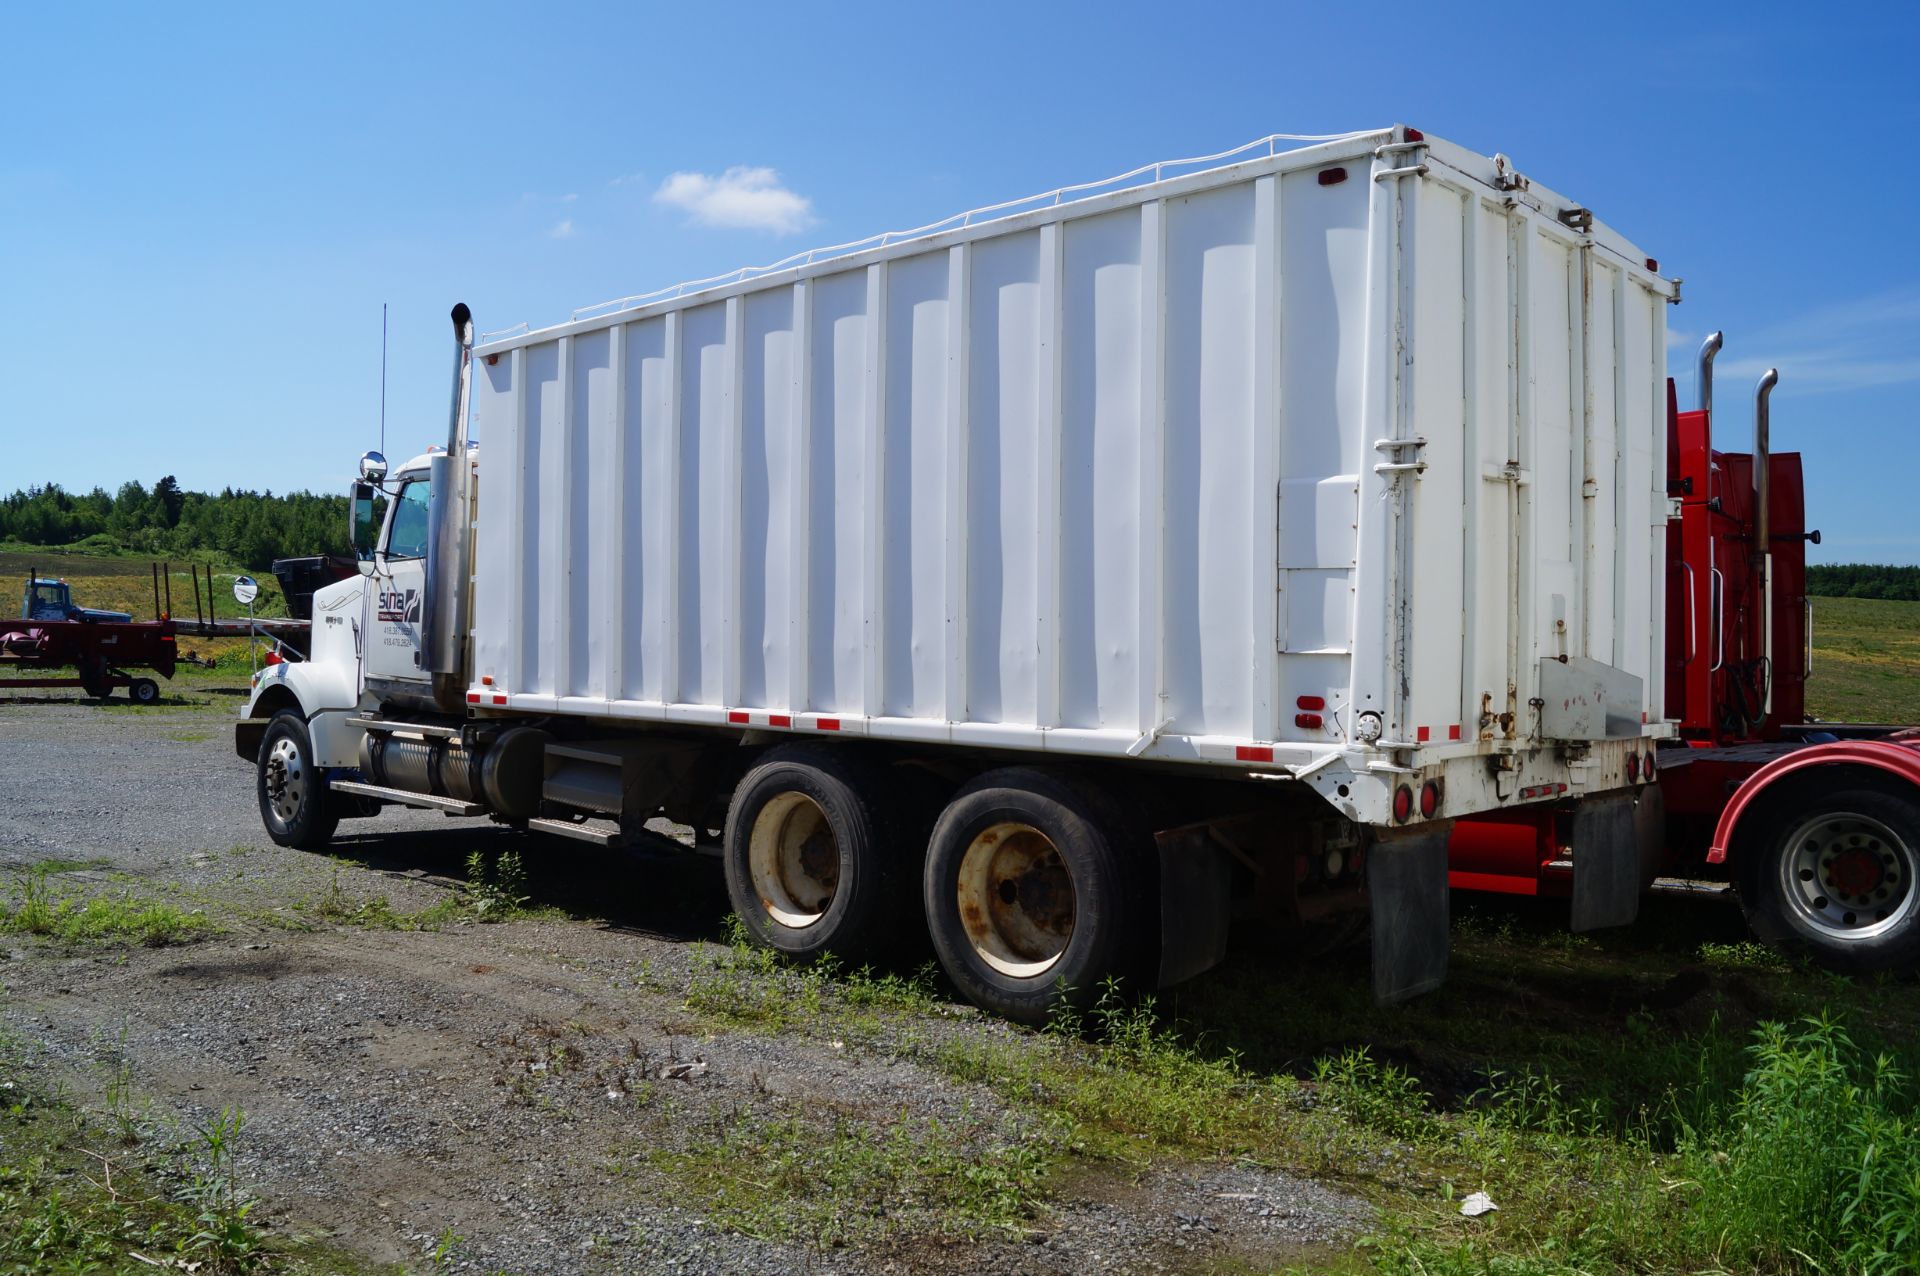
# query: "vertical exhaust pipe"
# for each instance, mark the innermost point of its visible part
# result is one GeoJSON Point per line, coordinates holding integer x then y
{"type": "Point", "coordinates": [1762, 454]}
{"type": "Point", "coordinates": [449, 561]}
{"type": "Point", "coordinates": [1708, 348]}
{"type": "Point", "coordinates": [1763, 520]}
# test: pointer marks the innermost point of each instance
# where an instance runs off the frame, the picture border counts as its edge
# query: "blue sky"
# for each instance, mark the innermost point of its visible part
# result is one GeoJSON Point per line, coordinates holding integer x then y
{"type": "Point", "coordinates": [202, 210]}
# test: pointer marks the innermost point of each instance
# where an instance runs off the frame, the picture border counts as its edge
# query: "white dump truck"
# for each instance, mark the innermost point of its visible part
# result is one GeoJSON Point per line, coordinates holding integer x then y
{"type": "Point", "coordinates": [1055, 583]}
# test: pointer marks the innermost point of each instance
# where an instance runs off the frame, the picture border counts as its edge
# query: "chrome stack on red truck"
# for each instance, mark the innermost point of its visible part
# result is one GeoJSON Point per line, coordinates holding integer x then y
{"type": "Point", "coordinates": [1815, 826]}
{"type": "Point", "coordinates": [1057, 584]}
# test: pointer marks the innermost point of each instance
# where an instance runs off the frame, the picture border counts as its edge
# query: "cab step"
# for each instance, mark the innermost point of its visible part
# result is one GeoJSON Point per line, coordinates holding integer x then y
{"type": "Point", "coordinates": [597, 834]}
{"type": "Point", "coordinates": [406, 797]}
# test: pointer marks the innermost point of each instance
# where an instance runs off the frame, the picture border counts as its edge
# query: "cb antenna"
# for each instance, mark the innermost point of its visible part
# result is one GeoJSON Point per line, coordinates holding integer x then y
{"type": "Point", "coordinates": [383, 378]}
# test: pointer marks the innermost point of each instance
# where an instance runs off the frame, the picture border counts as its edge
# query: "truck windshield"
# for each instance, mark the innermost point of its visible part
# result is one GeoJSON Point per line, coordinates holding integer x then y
{"type": "Point", "coordinates": [408, 537]}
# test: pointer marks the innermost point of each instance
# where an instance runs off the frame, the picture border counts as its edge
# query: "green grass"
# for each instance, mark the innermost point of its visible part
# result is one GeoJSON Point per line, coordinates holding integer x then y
{"type": "Point", "coordinates": [34, 905]}
{"type": "Point", "coordinates": [79, 1194]}
{"type": "Point", "coordinates": [1811, 1165]}
{"type": "Point", "coordinates": [495, 892]}
{"type": "Point", "coordinates": [1866, 661]}
{"type": "Point", "coordinates": [838, 1177]}
{"type": "Point", "coordinates": [741, 985]}
{"type": "Point", "coordinates": [1635, 1101]}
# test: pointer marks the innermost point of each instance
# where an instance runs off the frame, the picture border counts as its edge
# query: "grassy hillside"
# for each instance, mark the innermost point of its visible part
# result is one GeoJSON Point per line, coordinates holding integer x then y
{"type": "Point", "coordinates": [1866, 661]}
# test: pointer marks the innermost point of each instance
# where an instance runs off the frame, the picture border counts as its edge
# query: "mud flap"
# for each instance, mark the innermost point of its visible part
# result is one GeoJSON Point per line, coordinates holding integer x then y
{"type": "Point", "coordinates": [1196, 899]}
{"type": "Point", "coordinates": [1606, 863]}
{"type": "Point", "coordinates": [247, 735]}
{"type": "Point", "coordinates": [1407, 887]}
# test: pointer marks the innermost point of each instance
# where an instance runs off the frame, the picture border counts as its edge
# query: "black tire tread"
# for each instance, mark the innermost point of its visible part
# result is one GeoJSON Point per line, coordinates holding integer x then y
{"type": "Point", "coordinates": [1118, 945]}
{"type": "Point", "coordinates": [316, 831]}
{"type": "Point", "coordinates": [885, 909]}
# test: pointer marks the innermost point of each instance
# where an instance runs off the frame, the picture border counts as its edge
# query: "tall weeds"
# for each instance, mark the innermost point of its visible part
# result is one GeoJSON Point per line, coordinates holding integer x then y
{"type": "Point", "coordinates": [1819, 1166]}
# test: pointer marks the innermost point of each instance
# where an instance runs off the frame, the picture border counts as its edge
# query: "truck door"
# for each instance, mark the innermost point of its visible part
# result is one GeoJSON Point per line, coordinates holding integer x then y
{"type": "Point", "coordinates": [397, 600]}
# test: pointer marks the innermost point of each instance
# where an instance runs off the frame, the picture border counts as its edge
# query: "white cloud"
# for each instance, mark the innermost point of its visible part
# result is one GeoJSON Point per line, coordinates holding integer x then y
{"type": "Point", "coordinates": [562, 229]}
{"type": "Point", "coordinates": [741, 198]}
{"type": "Point", "coordinates": [1850, 345]}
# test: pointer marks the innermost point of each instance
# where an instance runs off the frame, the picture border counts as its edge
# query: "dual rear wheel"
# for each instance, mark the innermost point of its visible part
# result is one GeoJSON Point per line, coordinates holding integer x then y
{"type": "Point", "coordinates": [1834, 877]}
{"type": "Point", "coordinates": [1030, 887]}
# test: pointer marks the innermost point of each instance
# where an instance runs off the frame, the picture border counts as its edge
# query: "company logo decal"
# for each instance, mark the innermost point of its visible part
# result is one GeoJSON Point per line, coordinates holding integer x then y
{"type": "Point", "coordinates": [400, 605]}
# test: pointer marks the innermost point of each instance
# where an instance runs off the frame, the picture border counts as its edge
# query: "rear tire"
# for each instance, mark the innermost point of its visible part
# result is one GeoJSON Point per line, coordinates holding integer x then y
{"type": "Point", "coordinates": [1836, 876]}
{"type": "Point", "coordinates": [818, 857]}
{"type": "Point", "coordinates": [1034, 894]}
{"type": "Point", "coordinates": [295, 803]}
{"type": "Point", "coordinates": [144, 691]}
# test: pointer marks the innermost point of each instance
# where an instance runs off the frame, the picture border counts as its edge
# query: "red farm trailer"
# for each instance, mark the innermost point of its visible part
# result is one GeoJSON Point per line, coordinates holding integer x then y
{"type": "Point", "coordinates": [1815, 826]}
{"type": "Point", "coordinates": [53, 632]}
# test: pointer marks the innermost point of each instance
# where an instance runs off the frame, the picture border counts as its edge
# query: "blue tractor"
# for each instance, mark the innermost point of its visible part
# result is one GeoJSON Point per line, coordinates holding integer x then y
{"type": "Point", "coordinates": [53, 600]}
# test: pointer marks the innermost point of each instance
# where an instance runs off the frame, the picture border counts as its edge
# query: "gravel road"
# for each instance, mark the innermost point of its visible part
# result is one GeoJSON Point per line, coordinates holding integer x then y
{"type": "Point", "coordinates": [511, 1083]}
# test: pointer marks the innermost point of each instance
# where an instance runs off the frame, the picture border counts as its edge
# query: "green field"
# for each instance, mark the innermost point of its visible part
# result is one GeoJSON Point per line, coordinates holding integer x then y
{"type": "Point", "coordinates": [1866, 661]}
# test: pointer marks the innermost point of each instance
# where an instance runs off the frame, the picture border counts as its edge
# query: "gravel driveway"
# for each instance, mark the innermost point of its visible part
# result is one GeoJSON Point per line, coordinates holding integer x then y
{"type": "Point", "coordinates": [512, 1085]}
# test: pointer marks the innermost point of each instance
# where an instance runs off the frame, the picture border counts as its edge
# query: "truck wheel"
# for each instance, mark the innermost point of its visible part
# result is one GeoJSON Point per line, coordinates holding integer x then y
{"type": "Point", "coordinates": [1033, 894]}
{"type": "Point", "coordinates": [817, 857]}
{"type": "Point", "coordinates": [295, 804]}
{"type": "Point", "coordinates": [1835, 878]}
{"type": "Point", "coordinates": [144, 691]}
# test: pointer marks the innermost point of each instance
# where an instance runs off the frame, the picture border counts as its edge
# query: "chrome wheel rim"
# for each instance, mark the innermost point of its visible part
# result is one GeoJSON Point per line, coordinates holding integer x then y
{"type": "Point", "coordinates": [794, 860]}
{"type": "Point", "coordinates": [1848, 876]}
{"type": "Point", "coordinates": [1016, 900]}
{"type": "Point", "coordinates": [286, 782]}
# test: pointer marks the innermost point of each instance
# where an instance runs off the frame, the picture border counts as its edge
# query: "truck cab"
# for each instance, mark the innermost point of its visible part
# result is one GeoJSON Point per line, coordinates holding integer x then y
{"type": "Point", "coordinates": [369, 630]}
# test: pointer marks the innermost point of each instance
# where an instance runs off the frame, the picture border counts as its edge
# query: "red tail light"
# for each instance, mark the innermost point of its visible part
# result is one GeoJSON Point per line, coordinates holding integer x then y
{"type": "Point", "coordinates": [1633, 768]}
{"type": "Point", "coordinates": [1312, 704]}
{"type": "Point", "coordinates": [1429, 799]}
{"type": "Point", "coordinates": [1402, 804]}
{"type": "Point", "coordinates": [1307, 721]}
{"type": "Point", "coordinates": [1647, 768]}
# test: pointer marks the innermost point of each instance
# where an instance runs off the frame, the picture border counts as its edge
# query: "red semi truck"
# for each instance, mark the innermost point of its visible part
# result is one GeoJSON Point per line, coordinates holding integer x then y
{"type": "Point", "coordinates": [1815, 826]}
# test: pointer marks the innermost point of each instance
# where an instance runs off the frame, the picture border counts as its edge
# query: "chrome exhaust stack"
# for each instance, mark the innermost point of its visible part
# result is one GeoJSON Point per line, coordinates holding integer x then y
{"type": "Point", "coordinates": [449, 552]}
{"type": "Point", "coordinates": [1708, 348]}
{"type": "Point", "coordinates": [1762, 456]}
{"type": "Point", "coordinates": [1762, 519]}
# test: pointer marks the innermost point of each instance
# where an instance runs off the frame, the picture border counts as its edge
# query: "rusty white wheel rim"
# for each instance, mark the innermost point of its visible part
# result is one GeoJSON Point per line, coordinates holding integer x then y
{"type": "Point", "coordinates": [1016, 900]}
{"type": "Point", "coordinates": [1848, 876]}
{"type": "Point", "coordinates": [794, 860]}
{"type": "Point", "coordinates": [286, 782]}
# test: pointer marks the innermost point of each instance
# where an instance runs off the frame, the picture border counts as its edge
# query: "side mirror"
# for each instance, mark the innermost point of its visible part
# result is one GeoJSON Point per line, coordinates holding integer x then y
{"type": "Point", "coordinates": [373, 467]}
{"type": "Point", "coordinates": [363, 522]}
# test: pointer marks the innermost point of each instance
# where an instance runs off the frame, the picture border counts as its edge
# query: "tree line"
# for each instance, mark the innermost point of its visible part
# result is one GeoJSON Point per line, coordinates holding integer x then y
{"type": "Point", "coordinates": [254, 528]}
{"type": "Point", "coordinates": [244, 527]}
{"type": "Point", "coordinates": [1863, 580]}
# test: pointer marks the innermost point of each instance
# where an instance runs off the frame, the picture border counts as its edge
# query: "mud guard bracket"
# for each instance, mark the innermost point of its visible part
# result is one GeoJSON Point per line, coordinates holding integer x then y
{"type": "Point", "coordinates": [1407, 886]}
{"type": "Point", "coordinates": [1606, 863]}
